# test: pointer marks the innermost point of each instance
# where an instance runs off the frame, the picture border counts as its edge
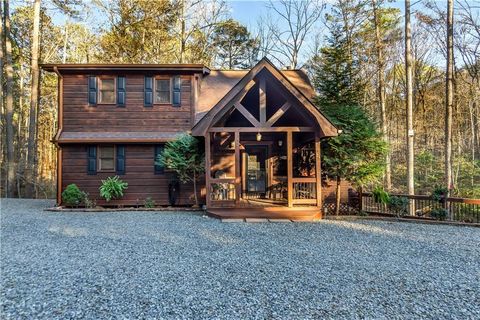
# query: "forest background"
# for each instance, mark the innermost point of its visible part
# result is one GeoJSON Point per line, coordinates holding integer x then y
{"type": "Point", "coordinates": [369, 34]}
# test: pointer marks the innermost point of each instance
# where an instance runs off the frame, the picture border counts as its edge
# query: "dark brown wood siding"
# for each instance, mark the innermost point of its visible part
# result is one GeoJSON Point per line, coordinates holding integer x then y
{"type": "Point", "coordinates": [79, 116]}
{"type": "Point", "coordinates": [139, 174]}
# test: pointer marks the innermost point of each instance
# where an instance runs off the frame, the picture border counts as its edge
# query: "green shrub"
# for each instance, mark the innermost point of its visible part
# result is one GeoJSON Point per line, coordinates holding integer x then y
{"type": "Point", "coordinates": [439, 213]}
{"type": "Point", "coordinates": [112, 188]}
{"type": "Point", "coordinates": [72, 196]}
{"type": "Point", "coordinates": [380, 195]}
{"type": "Point", "coordinates": [89, 203]}
{"type": "Point", "coordinates": [439, 193]}
{"type": "Point", "coordinates": [399, 205]}
{"type": "Point", "coordinates": [149, 203]}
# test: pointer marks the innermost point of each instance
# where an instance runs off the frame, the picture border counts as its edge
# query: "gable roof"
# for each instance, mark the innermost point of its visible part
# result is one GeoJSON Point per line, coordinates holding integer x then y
{"type": "Point", "coordinates": [224, 86]}
{"type": "Point", "coordinates": [219, 82]}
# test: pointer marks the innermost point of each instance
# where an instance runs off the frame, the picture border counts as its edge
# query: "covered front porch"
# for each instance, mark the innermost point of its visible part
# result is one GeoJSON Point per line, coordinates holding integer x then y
{"type": "Point", "coordinates": [262, 148]}
{"type": "Point", "coordinates": [264, 167]}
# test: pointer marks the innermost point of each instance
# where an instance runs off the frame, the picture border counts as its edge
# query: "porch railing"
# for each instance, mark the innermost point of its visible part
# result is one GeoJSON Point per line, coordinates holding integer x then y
{"type": "Point", "coordinates": [304, 191]}
{"type": "Point", "coordinates": [222, 189]}
{"type": "Point", "coordinates": [459, 209]}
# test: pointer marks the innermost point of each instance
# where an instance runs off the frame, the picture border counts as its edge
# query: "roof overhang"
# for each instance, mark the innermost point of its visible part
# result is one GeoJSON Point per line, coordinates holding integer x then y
{"type": "Point", "coordinates": [114, 137]}
{"type": "Point", "coordinates": [194, 68]}
{"type": "Point", "coordinates": [327, 128]}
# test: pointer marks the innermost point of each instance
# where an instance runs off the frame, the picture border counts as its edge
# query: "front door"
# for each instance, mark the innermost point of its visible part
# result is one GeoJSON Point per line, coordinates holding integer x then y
{"type": "Point", "coordinates": [255, 174]}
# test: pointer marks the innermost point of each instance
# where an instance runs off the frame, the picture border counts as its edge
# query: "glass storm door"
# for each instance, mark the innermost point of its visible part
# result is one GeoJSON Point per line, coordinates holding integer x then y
{"type": "Point", "coordinates": [256, 169]}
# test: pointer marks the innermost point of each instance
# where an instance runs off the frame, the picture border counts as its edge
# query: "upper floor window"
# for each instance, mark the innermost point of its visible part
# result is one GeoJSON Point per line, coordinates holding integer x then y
{"type": "Point", "coordinates": [106, 90]}
{"type": "Point", "coordinates": [163, 91]}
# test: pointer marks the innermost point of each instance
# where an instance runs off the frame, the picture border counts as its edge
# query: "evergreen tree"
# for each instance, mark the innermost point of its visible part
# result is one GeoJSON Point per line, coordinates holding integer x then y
{"type": "Point", "coordinates": [335, 73]}
{"type": "Point", "coordinates": [186, 158]}
{"type": "Point", "coordinates": [234, 45]}
{"type": "Point", "coordinates": [357, 154]}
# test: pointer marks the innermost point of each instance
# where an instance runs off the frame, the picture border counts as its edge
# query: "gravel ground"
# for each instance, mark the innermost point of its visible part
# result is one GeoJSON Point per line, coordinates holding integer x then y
{"type": "Point", "coordinates": [182, 265]}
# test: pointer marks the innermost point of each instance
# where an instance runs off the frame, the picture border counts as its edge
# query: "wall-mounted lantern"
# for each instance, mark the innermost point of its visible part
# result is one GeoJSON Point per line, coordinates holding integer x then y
{"type": "Point", "coordinates": [259, 136]}
{"type": "Point", "coordinates": [280, 143]}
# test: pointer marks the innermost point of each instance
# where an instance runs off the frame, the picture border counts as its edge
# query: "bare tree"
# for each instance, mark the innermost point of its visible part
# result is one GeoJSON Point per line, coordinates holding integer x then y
{"type": "Point", "coordinates": [409, 104]}
{"type": "Point", "coordinates": [265, 38]}
{"type": "Point", "coordinates": [10, 186]}
{"type": "Point", "coordinates": [300, 17]}
{"type": "Point", "coordinates": [2, 107]}
{"type": "Point", "coordinates": [468, 45]}
{"type": "Point", "coordinates": [30, 165]}
{"type": "Point", "coordinates": [381, 91]}
{"type": "Point", "coordinates": [198, 17]}
{"type": "Point", "coordinates": [449, 97]}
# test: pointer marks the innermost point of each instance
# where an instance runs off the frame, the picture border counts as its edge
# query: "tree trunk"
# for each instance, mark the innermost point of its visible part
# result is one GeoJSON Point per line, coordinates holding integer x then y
{"type": "Point", "coordinates": [3, 159]}
{"type": "Point", "coordinates": [182, 35]}
{"type": "Point", "coordinates": [10, 181]}
{"type": "Point", "coordinates": [195, 188]}
{"type": "Point", "coordinates": [409, 105]}
{"type": "Point", "coordinates": [449, 98]}
{"type": "Point", "coordinates": [30, 167]}
{"type": "Point", "coordinates": [381, 93]}
{"type": "Point", "coordinates": [338, 196]}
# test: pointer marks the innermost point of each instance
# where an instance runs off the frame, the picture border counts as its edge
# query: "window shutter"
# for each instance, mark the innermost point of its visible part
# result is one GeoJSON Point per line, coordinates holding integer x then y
{"type": "Point", "coordinates": [92, 90]}
{"type": "Point", "coordinates": [177, 88]}
{"type": "Point", "coordinates": [92, 160]}
{"type": "Point", "coordinates": [159, 169]}
{"type": "Point", "coordinates": [120, 159]}
{"type": "Point", "coordinates": [121, 91]}
{"type": "Point", "coordinates": [148, 92]}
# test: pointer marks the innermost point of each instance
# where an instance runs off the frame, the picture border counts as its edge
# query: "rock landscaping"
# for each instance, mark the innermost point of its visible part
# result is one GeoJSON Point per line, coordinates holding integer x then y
{"type": "Point", "coordinates": [182, 265]}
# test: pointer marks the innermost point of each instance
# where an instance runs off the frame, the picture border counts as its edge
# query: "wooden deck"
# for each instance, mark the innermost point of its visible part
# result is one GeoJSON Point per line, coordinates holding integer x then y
{"type": "Point", "coordinates": [298, 214]}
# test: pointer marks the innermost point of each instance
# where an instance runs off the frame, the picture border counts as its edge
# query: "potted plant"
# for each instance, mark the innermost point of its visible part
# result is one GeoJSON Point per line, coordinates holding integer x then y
{"type": "Point", "coordinates": [439, 194]}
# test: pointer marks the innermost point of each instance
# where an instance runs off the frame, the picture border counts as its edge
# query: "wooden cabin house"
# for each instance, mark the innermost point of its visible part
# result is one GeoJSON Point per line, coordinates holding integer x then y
{"type": "Point", "coordinates": [262, 133]}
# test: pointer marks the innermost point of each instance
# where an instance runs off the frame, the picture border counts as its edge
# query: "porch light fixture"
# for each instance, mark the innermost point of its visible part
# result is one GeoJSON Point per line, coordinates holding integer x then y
{"type": "Point", "coordinates": [232, 144]}
{"type": "Point", "coordinates": [280, 143]}
{"type": "Point", "coordinates": [259, 136]}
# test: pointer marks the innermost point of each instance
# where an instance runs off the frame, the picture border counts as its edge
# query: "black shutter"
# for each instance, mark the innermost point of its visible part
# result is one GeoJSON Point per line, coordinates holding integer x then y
{"type": "Point", "coordinates": [159, 169]}
{"type": "Point", "coordinates": [148, 92]}
{"type": "Point", "coordinates": [120, 159]}
{"type": "Point", "coordinates": [92, 160]}
{"type": "Point", "coordinates": [121, 91]}
{"type": "Point", "coordinates": [92, 90]}
{"type": "Point", "coordinates": [177, 88]}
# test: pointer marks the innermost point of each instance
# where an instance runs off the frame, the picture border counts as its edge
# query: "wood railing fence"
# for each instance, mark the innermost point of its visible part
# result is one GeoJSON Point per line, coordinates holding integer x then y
{"type": "Point", "coordinates": [458, 209]}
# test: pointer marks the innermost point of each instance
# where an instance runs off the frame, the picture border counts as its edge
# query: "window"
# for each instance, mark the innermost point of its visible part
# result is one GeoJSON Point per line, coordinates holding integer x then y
{"type": "Point", "coordinates": [162, 91]}
{"type": "Point", "coordinates": [106, 90]}
{"type": "Point", "coordinates": [106, 158]}
{"type": "Point", "coordinates": [158, 167]}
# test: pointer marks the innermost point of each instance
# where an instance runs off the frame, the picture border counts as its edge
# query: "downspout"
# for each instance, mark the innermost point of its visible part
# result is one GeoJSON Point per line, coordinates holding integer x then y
{"type": "Point", "coordinates": [57, 136]}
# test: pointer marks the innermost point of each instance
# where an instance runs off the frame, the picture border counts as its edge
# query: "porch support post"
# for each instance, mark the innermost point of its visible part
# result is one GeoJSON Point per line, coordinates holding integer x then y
{"type": "Point", "coordinates": [207, 169]}
{"type": "Point", "coordinates": [318, 171]}
{"type": "Point", "coordinates": [289, 169]}
{"type": "Point", "coordinates": [238, 178]}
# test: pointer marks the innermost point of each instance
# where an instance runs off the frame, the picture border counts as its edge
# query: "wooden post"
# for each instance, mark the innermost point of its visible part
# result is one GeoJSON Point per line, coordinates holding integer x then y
{"type": "Point", "coordinates": [263, 101]}
{"type": "Point", "coordinates": [289, 169]}
{"type": "Point", "coordinates": [59, 175]}
{"type": "Point", "coordinates": [318, 172]}
{"type": "Point", "coordinates": [207, 169]}
{"type": "Point", "coordinates": [238, 178]}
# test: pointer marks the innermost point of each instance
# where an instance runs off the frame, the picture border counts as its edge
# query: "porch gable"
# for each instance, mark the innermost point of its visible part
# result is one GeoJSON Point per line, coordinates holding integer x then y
{"type": "Point", "coordinates": [256, 80]}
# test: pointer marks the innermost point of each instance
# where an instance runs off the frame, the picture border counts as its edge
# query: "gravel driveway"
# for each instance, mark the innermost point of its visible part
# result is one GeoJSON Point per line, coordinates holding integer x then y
{"type": "Point", "coordinates": [182, 265]}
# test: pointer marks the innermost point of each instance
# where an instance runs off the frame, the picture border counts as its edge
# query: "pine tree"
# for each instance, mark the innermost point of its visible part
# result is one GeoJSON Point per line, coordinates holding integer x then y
{"type": "Point", "coordinates": [335, 73]}
{"type": "Point", "coordinates": [358, 153]}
